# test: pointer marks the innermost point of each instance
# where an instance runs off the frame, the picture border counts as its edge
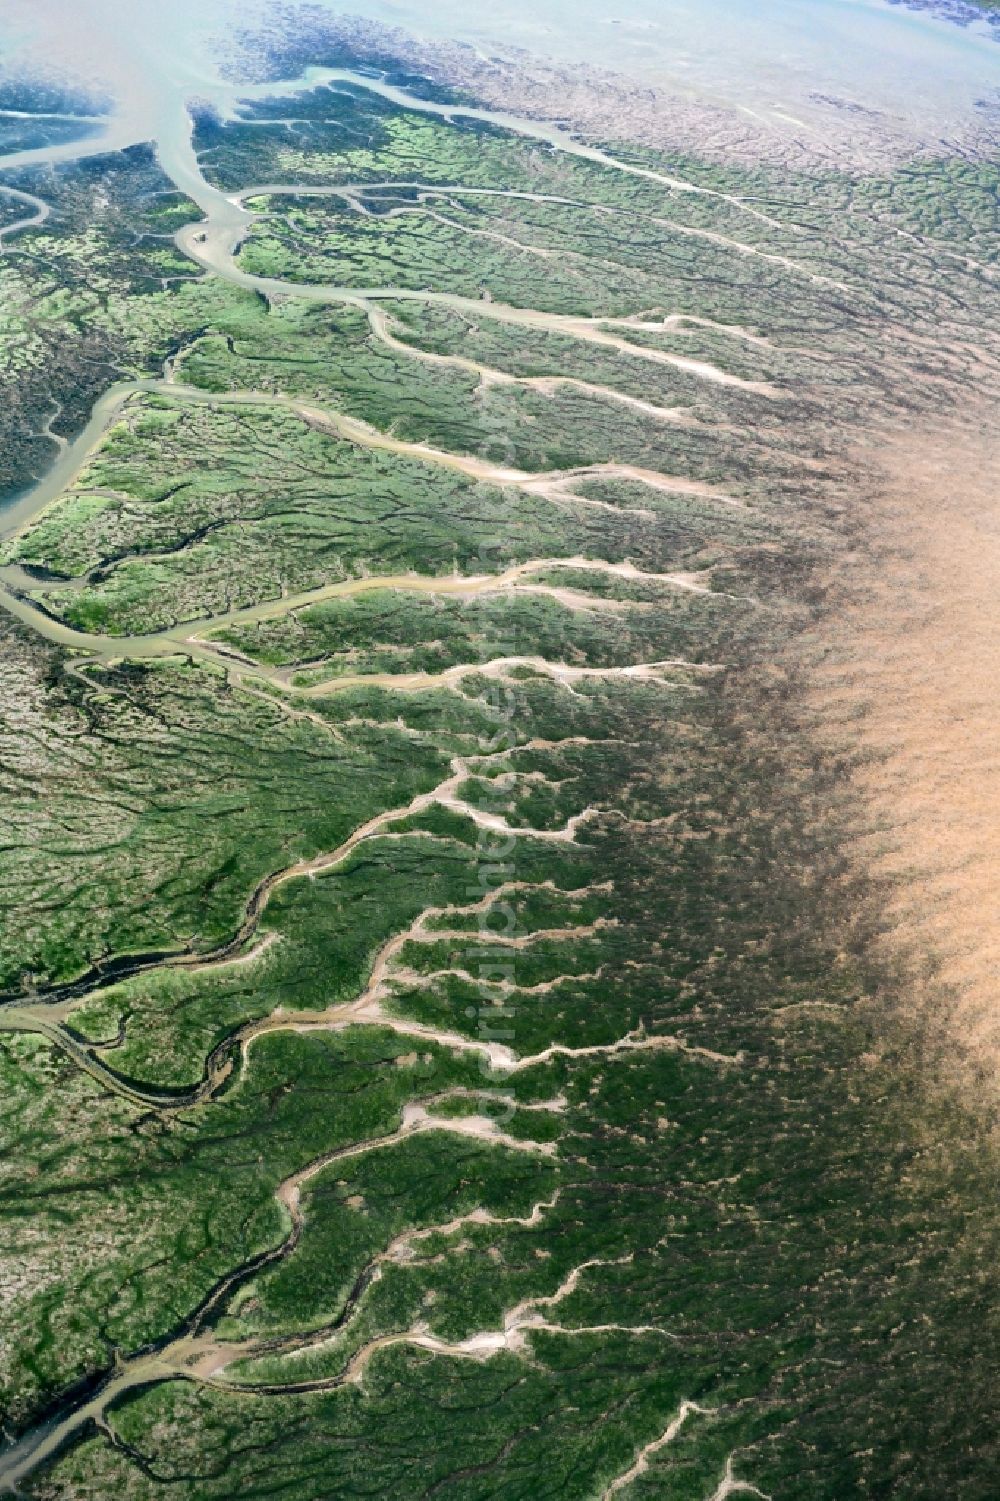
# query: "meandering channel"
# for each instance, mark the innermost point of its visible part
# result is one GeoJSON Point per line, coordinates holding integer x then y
{"type": "Point", "coordinates": [212, 244]}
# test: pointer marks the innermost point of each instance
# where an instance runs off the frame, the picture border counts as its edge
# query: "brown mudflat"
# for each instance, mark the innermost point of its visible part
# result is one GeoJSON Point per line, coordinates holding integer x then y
{"type": "Point", "coordinates": [915, 674]}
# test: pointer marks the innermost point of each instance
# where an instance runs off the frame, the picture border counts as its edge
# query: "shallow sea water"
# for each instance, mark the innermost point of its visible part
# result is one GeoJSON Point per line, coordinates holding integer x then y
{"type": "Point", "coordinates": [767, 57]}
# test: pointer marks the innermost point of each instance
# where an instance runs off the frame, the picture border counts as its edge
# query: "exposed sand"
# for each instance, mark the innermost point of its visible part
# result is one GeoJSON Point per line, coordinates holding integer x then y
{"type": "Point", "coordinates": [915, 673]}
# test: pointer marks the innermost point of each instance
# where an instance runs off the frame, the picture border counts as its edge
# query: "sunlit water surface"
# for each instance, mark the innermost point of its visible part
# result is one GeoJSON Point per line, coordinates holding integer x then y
{"type": "Point", "coordinates": [768, 57]}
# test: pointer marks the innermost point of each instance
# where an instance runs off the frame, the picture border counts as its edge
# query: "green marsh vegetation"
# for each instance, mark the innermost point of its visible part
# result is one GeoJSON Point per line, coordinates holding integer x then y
{"type": "Point", "coordinates": [449, 1011]}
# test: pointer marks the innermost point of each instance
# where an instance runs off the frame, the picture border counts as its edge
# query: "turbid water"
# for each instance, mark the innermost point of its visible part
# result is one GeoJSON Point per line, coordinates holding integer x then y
{"type": "Point", "coordinates": [792, 63]}
{"type": "Point", "coordinates": [764, 53]}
